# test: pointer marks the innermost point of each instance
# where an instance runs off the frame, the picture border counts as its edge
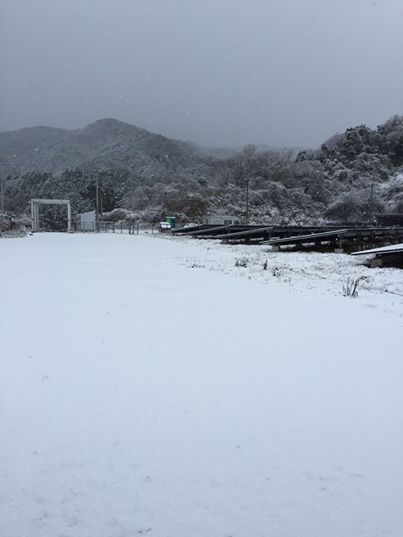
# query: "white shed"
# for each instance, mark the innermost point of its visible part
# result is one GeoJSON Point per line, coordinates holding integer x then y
{"type": "Point", "coordinates": [87, 221]}
{"type": "Point", "coordinates": [220, 220]}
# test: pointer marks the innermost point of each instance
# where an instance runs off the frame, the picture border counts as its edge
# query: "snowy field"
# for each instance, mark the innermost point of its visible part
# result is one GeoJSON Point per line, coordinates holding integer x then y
{"type": "Point", "coordinates": [159, 386]}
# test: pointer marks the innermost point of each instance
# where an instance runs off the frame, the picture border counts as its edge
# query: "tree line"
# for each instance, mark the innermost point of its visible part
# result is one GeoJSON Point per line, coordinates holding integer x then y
{"type": "Point", "coordinates": [349, 178]}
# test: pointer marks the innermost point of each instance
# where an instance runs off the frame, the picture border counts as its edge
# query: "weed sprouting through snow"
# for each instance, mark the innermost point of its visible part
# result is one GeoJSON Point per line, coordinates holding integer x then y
{"type": "Point", "coordinates": [350, 287]}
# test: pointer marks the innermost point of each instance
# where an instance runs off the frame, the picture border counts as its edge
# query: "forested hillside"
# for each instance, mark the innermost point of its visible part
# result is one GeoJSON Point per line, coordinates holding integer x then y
{"type": "Point", "coordinates": [350, 177]}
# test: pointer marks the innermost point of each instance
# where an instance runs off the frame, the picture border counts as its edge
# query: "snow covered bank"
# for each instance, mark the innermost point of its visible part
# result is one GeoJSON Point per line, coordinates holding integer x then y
{"type": "Point", "coordinates": [302, 272]}
{"type": "Point", "coordinates": [145, 391]}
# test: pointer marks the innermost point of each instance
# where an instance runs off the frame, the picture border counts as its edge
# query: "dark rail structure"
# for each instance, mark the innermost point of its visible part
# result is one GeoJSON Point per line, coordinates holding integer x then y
{"type": "Point", "coordinates": [340, 237]}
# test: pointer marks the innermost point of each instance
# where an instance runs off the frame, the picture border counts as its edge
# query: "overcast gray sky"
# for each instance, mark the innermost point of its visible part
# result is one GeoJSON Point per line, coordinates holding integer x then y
{"type": "Point", "coordinates": [218, 72]}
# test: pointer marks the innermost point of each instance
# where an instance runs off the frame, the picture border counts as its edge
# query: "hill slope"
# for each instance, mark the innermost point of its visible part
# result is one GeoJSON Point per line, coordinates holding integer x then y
{"type": "Point", "coordinates": [105, 144]}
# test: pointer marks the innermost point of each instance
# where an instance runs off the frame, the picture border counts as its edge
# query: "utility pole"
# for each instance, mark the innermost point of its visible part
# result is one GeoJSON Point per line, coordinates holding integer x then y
{"type": "Point", "coordinates": [2, 194]}
{"type": "Point", "coordinates": [247, 202]}
{"type": "Point", "coordinates": [99, 202]}
{"type": "Point", "coordinates": [371, 203]}
{"type": "Point", "coordinates": [96, 206]}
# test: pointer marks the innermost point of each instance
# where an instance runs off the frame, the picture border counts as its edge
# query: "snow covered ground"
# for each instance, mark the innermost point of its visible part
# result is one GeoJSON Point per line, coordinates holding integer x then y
{"type": "Point", "coordinates": [302, 272]}
{"type": "Point", "coordinates": [157, 386]}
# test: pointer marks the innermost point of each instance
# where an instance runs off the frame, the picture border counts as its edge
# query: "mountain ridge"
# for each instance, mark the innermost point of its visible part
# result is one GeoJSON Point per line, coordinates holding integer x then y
{"type": "Point", "coordinates": [105, 143]}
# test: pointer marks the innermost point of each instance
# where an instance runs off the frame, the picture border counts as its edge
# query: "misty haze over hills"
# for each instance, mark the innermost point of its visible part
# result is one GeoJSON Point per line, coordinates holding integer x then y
{"type": "Point", "coordinates": [350, 177]}
{"type": "Point", "coordinates": [219, 73]}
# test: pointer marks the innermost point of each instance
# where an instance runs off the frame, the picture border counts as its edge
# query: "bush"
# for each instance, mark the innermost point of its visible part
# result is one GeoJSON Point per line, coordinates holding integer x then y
{"type": "Point", "coordinates": [345, 208]}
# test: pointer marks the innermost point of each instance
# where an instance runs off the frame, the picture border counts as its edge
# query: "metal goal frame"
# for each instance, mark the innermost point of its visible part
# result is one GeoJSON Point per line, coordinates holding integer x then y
{"type": "Point", "coordinates": [36, 203]}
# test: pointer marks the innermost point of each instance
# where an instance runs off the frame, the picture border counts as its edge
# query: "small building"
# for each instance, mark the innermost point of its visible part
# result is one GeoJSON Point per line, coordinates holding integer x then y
{"type": "Point", "coordinates": [168, 224]}
{"type": "Point", "coordinates": [220, 220]}
{"type": "Point", "coordinates": [87, 221]}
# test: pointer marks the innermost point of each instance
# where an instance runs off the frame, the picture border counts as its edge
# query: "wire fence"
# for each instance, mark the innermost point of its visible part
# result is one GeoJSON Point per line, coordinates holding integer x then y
{"type": "Point", "coordinates": [132, 228]}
